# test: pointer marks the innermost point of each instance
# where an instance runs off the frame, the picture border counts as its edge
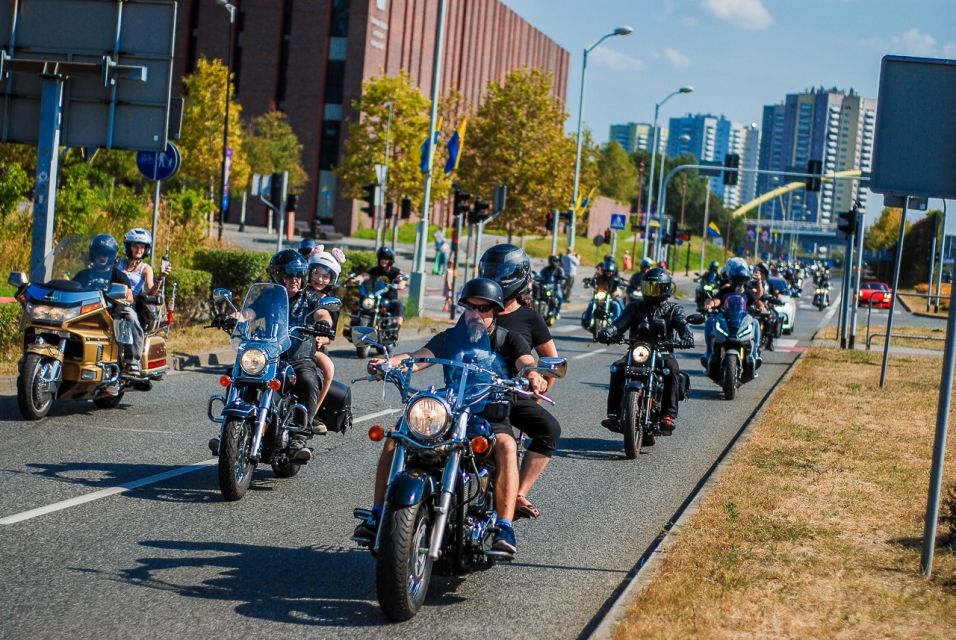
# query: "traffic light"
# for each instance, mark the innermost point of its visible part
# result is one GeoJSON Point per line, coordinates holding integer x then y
{"type": "Point", "coordinates": [291, 202]}
{"type": "Point", "coordinates": [731, 162]}
{"type": "Point", "coordinates": [277, 189]}
{"type": "Point", "coordinates": [461, 202]}
{"type": "Point", "coordinates": [479, 212]}
{"type": "Point", "coordinates": [607, 235]}
{"type": "Point", "coordinates": [814, 167]}
{"type": "Point", "coordinates": [847, 222]}
{"type": "Point", "coordinates": [406, 209]}
{"type": "Point", "coordinates": [389, 210]}
{"type": "Point", "coordinates": [370, 197]}
{"type": "Point", "coordinates": [549, 221]}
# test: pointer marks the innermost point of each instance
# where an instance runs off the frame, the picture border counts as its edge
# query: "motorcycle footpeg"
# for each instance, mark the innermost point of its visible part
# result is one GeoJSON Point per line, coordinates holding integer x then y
{"type": "Point", "coordinates": [214, 446]}
{"type": "Point", "coordinates": [362, 514]}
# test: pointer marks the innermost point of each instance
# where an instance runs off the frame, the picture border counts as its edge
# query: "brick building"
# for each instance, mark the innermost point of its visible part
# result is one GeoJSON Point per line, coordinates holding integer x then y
{"type": "Point", "coordinates": [309, 58]}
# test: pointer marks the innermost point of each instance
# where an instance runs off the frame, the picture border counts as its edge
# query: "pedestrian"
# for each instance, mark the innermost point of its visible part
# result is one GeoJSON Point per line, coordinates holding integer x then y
{"type": "Point", "coordinates": [440, 256]}
{"type": "Point", "coordinates": [569, 261]}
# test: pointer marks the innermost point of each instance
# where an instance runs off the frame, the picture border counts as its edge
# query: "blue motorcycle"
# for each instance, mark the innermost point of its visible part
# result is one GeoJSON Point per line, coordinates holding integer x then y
{"type": "Point", "coordinates": [732, 336]}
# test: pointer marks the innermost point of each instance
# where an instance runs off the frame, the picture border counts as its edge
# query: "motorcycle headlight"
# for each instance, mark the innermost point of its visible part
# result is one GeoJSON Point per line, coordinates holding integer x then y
{"type": "Point", "coordinates": [600, 295]}
{"type": "Point", "coordinates": [368, 303]}
{"type": "Point", "coordinates": [427, 417]}
{"type": "Point", "coordinates": [253, 361]}
{"type": "Point", "coordinates": [720, 329]}
{"type": "Point", "coordinates": [744, 331]}
{"type": "Point", "coordinates": [51, 314]}
{"type": "Point", "coordinates": [641, 353]}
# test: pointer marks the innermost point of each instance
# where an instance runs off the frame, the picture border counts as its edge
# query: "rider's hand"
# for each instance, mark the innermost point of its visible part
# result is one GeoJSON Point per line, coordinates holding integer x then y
{"type": "Point", "coordinates": [374, 364]}
{"type": "Point", "coordinates": [537, 382]}
{"type": "Point", "coordinates": [607, 335]}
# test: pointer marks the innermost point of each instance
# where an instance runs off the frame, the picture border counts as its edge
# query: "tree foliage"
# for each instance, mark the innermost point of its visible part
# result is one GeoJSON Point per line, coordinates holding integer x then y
{"type": "Point", "coordinates": [885, 232]}
{"type": "Point", "coordinates": [517, 139]}
{"type": "Point", "coordinates": [271, 146]}
{"type": "Point", "coordinates": [618, 175]}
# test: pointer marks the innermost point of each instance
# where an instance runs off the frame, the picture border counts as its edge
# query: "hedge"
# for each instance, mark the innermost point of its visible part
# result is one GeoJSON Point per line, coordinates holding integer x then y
{"type": "Point", "coordinates": [10, 330]}
{"type": "Point", "coordinates": [192, 293]}
{"type": "Point", "coordinates": [233, 269]}
{"type": "Point", "coordinates": [358, 261]}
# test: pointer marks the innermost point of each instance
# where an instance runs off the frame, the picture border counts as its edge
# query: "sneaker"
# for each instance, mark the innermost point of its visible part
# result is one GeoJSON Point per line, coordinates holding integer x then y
{"type": "Point", "coordinates": [318, 427]}
{"type": "Point", "coordinates": [366, 531]}
{"type": "Point", "coordinates": [133, 367]}
{"type": "Point", "coordinates": [667, 424]}
{"type": "Point", "coordinates": [504, 542]}
{"type": "Point", "coordinates": [611, 423]}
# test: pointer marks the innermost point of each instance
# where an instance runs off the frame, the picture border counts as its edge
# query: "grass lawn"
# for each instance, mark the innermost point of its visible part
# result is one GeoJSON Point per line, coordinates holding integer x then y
{"type": "Point", "coordinates": [900, 334]}
{"type": "Point", "coordinates": [814, 530]}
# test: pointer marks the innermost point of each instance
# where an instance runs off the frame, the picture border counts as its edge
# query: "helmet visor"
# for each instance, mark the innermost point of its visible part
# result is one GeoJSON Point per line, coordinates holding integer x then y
{"type": "Point", "coordinates": [497, 271]}
{"type": "Point", "coordinates": [654, 289]}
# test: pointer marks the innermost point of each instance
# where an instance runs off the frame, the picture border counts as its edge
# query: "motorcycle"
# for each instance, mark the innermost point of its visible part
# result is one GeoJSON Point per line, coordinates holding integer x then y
{"type": "Point", "coordinates": [259, 414]}
{"type": "Point", "coordinates": [372, 311]}
{"type": "Point", "coordinates": [544, 295]}
{"type": "Point", "coordinates": [72, 345]}
{"type": "Point", "coordinates": [644, 385]}
{"type": "Point", "coordinates": [821, 295]}
{"type": "Point", "coordinates": [769, 321]}
{"type": "Point", "coordinates": [734, 359]}
{"type": "Point", "coordinates": [704, 291]}
{"type": "Point", "coordinates": [600, 309]}
{"type": "Point", "coordinates": [439, 513]}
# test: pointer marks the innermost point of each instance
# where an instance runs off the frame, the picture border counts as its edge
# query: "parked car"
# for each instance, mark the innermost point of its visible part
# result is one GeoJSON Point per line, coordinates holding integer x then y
{"type": "Point", "coordinates": [789, 308]}
{"type": "Point", "coordinates": [877, 294]}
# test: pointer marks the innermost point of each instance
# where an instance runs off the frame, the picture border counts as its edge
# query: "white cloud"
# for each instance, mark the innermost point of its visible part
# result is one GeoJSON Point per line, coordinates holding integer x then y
{"type": "Point", "coordinates": [677, 58]}
{"type": "Point", "coordinates": [689, 21]}
{"type": "Point", "coordinates": [606, 57]}
{"type": "Point", "coordinates": [913, 42]}
{"type": "Point", "coordinates": [746, 14]}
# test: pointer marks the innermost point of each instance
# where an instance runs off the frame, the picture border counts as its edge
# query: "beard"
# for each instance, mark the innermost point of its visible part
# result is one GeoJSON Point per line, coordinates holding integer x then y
{"type": "Point", "coordinates": [475, 329]}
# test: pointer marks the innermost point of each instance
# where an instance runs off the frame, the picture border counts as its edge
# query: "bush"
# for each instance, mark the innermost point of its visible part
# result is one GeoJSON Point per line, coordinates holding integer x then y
{"type": "Point", "coordinates": [358, 262]}
{"type": "Point", "coordinates": [234, 269]}
{"type": "Point", "coordinates": [10, 331]}
{"type": "Point", "coordinates": [192, 294]}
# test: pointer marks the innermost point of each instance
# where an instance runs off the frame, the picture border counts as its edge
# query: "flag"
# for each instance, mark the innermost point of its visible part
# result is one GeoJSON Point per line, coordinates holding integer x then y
{"type": "Point", "coordinates": [432, 140]}
{"type": "Point", "coordinates": [455, 144]}
{"type": "Point", "coordinates": [587, 200]}
{"type": "Point", "coordinates": [713, 231]}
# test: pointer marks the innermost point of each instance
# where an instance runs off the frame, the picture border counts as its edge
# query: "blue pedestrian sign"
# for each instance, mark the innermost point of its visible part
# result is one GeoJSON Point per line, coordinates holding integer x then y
{"type": "Point", "coordinates": [159, 166]}
{"type": "Point", "coordinates": [618, 221]}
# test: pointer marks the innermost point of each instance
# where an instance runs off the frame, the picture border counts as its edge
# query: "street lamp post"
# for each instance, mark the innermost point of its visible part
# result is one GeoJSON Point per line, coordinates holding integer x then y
{"type": "Point", "coordinates": [380, 228]}
{"type": "Point", "coordinates": [223, 189]}
{"type": "Point", "coordinates": [620, 31]}
{"type": "Point", "coordinates": [650, 181]}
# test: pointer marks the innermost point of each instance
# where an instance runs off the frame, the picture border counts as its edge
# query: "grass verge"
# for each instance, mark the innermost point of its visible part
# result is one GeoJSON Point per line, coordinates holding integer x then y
{"type": "Point", "coordinates": [814, 529]}
{"type": "Point", "coordinates": [900, 335]}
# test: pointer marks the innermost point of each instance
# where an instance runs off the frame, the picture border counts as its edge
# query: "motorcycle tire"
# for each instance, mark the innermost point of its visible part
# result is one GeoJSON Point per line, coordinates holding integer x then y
{"type": "Point", "coordinates": [235, 469]}
{"type": "Point", "coordinates": [404, 570]}
{"type": "Point", "coordinates": [361, 352]}
{"type": "Point", "coordinates": [32, 403]}
{"type": "Point", "coordinates": [633, 425]}
{"type": "Point", "coordinates": [108, 402]}
{"type": "Point", "coordinates": [730, 368]}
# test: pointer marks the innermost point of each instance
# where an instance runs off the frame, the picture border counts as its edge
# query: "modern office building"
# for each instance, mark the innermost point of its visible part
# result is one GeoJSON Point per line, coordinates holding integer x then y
{"type": "Point", "coordinates": [637, 136]}
{"type": "Point", "coordinates": [828, 125]}
{"type": "Point", "coordinates": [308, 58]}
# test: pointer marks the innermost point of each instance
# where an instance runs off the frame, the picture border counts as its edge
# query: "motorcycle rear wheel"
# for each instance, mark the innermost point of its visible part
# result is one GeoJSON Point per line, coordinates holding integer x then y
{"type": "Point", "coordinates": [403, 570]}
{"type": "Point", "coordinates": [730, 376]}
{"type": "Point", "coordinates": [633, 425]}
{"type": "Point", "coordinates": [235, 469]}
{"type": "Point", "coordinates": [32, 402]}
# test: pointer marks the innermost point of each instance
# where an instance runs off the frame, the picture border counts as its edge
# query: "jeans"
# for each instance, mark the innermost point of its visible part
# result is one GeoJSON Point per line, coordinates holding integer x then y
{"type": "Point", "coordinates": [132, 352]}
{"type": "Point", "coordinates": [670, 398]}
{"type": "Point", "coordinates": [308, 385]}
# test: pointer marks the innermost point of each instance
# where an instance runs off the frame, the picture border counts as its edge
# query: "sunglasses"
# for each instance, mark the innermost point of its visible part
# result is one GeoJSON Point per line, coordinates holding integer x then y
{"type": "Point", "coordinates": [480, 308]}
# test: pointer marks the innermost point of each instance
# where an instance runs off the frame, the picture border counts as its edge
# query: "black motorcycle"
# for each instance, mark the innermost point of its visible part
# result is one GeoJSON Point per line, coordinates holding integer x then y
{"type": "Point", "coordinates": [260, 414]}
{"type": "Point", "coordinates": [439, 511]}
{"type": "Point", "coordinates": [371, 310]}
{"type": "Point", "coordinates": [545, 298]}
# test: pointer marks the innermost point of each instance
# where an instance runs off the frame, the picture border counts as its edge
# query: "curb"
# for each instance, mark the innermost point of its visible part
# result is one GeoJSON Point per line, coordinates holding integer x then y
{"type": "Point", "coordinates": [644, 572]}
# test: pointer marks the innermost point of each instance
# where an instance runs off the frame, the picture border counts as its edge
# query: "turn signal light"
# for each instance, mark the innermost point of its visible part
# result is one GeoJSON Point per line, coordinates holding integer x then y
{"type": "Point", "coordinates": [480, 445]}
{"type": "Point", "coordinates": [275, 385]}
{"type": "Point", "coordinates": [376, 433]}
{"type": "Point", "coordinates": [225, 381]}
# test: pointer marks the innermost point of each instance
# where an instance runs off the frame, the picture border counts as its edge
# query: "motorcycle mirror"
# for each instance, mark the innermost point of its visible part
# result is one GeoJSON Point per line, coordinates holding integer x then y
{"type": "Point", "coordinates": [221, 295]}
{"type": "Point", "coordinates": [330, 303]}
{"type": "Point", "coordinates": [558, 367]}
{"type": "Point", "coordinates": [116, 291]}
{"type": "Point", "coordinates": [366, 334]}
{"type": "Point", "coordinates": [696, 319]}
{"type": "Point", "coordinates": [17, 279]}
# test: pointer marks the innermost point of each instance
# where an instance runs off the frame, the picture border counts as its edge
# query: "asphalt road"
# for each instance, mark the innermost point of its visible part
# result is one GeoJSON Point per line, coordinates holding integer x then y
{"type": "Point", "coordinates": [172, 559]}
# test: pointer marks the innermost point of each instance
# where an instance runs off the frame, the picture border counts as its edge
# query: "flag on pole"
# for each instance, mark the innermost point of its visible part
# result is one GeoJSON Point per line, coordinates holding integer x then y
{"type": "Point", "coordinates": [433, 139]}
{"type": "Point", "coordinates": [587, 200]}
{"type": "Point", "coordinates": [713, 231]}
{"type": "Point", "coordinates": [455, 144]}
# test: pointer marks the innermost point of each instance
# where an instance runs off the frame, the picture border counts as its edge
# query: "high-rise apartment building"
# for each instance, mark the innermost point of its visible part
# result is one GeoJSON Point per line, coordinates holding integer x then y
{"type": "Point", "coordinates": [636, 136]}
{"type": "Point", "coordinates": [827, 125]}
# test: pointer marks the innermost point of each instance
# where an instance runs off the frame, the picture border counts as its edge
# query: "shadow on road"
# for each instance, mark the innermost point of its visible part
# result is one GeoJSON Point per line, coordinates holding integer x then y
{"type": "Point", "coordinates": [591, 449]}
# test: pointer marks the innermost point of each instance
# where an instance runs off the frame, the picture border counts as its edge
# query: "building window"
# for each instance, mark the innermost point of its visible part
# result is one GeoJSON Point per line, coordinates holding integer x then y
{"type": "Point", "coordinates": [284, 53]}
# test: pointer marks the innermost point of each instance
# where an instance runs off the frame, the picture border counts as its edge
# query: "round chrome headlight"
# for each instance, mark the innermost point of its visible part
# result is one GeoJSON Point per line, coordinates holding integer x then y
{"type": "Point", "coordinates": [253, 361]}
{"type": "Point", "coordinates": [600, 295]}
{"type": "Point", "coordinates": [368, 303]}
{"type": "Point", "coordinates": [427, 417]}
{"type": "Point", "coordinates": [641, 354]}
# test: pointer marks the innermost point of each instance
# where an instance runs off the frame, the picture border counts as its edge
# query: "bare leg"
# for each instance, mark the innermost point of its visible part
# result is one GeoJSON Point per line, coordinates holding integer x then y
{"type": "Point", "coordinates": [534, 464]}
{"type": "Point", "coordinates": [506, 483]}
{"type": "Point", "coordinates": [328, 371]}
{"type": "Point", "coordinates": [381, 472]}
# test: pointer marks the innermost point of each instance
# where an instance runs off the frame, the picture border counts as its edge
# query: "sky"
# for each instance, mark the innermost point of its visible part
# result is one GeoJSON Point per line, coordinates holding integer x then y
{"type": "Point", "coordinates": [738, 55]}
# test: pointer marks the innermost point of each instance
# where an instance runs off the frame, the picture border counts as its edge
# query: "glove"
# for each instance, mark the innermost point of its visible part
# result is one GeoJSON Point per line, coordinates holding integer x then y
{"type": "Point", "coordinates": [225, 322]}
{"type": "Point", "coordinates": [323, 328]}
{"type": "Point", "coordinates": [685, 343]}
{"type": "Point", "coordinates": [607, 335]}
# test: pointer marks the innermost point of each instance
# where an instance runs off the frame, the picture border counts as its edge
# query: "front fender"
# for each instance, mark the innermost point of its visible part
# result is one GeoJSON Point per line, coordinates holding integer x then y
{"type": "Point", "coordinates": [409, 488]}
{"type": "Point", "coordinates": [45, 350]}
{"type": "Point", "coordinates": [239, 409]}
{"type": "Point", "coordinates": [636, 385]}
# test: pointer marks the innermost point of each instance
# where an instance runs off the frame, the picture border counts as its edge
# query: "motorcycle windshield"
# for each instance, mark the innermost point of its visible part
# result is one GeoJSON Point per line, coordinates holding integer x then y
{"type": "Point", "coordinates": [265, 318]}
{"type": "Point", "coordinates": [735, 312]}
{"type": "Point", "coordinates": [372, 286]}
{"type": "Point", "coordinates": [71, 258]}
{"type": "Point", "coordinates": [468, 343]}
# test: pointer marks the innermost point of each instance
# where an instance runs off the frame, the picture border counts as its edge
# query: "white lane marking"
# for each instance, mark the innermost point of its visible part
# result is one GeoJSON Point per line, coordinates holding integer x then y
{"type": "Point", "coordinates": [566, 328]}
{"type": "Point", "coordinates": [103, 493]}
{"type": "Point", "coordinates": [785, 343]}
{"type": "Point", "coordinates": [834, 307]}
{"type": "Point", "coordinates": [132, 430]}
{"type": "Point", "coordinates": [136, 484]}
{"type": "Point", "coordinates": [588, 354]}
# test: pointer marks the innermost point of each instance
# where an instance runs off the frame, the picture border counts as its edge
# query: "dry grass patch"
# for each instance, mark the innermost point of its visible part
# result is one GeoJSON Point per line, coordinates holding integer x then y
{"type": "Point", "coordinates": [813, 532]}
{"type": "Point", "coordinates": [900, 334]}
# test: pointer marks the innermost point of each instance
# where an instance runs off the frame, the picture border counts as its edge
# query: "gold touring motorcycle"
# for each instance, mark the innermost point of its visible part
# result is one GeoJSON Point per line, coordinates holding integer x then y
{"type": "Point", "coordinates": [72, 346]}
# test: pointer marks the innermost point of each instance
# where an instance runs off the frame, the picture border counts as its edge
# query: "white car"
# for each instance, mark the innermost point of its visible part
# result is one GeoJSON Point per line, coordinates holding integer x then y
{"type": "Point", "coordinates": [789, 307]}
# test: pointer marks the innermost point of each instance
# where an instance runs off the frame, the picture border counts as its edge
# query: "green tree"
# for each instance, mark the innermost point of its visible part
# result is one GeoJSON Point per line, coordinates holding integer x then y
{"type": "Point", "coordinates": [271, 146]}
{"type": "Point", "coordinates": [517, 138]}
{"type": "Point", "coordinates": [885, 232]}
{"type": "Point", "coordinates": [201, 141]}
{"type": "Point", "coordinates": [15, 186]}
{"type": "Point", "coordinates": [618, 175]}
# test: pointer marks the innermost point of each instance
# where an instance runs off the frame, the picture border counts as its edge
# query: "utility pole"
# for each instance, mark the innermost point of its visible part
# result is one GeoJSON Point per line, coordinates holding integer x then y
{"type": "Point", "coordinates": [640, 187]}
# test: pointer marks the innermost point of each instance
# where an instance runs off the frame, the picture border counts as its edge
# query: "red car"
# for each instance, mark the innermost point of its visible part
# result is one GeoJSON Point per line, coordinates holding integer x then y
{"type": "Point", "coordinates": [877, 294]}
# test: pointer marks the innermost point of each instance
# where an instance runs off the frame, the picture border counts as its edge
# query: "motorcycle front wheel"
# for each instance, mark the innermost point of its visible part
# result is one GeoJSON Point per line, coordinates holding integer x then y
{"type": "Point", "coordinates": [235, 469]}
{"type": "Point", "coordinates": [33, 400]}
{"type": "Point", "coordinates": [633, 425]}
{"type": "Point", "coordinates": [404, 569]}
{"type": "Point", "coordinates": [730, 376]}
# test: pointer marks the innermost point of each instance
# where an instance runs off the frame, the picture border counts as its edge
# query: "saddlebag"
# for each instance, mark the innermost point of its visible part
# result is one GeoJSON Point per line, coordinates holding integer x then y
{"type": "Point", "coordinates": [336, 411]}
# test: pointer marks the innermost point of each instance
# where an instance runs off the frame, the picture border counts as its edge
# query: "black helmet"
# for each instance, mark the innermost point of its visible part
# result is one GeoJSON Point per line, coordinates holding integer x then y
{"type": "Point", "coordinates": [608, 267]}
{"type": "Point", "coordinates": [288, 262]}
{"type": "Point", "coordinates": [714, 265]}
{"type": "Point", "coordinates": [764, 269]}
{"type": "Point", "coordinates": [307, 246]}
{"type": "Point", "coordinates": [554, 261]}
{"type": "Point", "coordinates": [647, 263]}
{"type": "Point", "coordinates": [657, 285]}
{"type": "Point", "coordinates": [507, 265]}
{"type": "Point", "coordinates": [385, 254]}
{"type": "Point", "coordinates": [103, 245]}
{"type": "Point", "coordinates": [484, 289]}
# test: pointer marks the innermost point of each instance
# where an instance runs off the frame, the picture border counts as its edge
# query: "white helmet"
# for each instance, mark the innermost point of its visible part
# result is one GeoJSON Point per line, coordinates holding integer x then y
{"type": "Point", "coordinates": [139, 236]}
{"type": "Point", "coordinates": [327, 261]}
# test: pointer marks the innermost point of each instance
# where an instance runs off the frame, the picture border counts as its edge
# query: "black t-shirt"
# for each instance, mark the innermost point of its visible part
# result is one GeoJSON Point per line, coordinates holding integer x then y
{"type": "Point", "coordinates": [388, 276]}
{"type": "Point", "coordinates": [95, 279]}
{"type": "Point", "coordinates": [527, 324]}
{"type": "Point", "coordinates": [512, 348]}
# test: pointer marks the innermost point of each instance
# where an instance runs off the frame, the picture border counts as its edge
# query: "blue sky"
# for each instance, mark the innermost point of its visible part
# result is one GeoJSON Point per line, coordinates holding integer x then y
{"type": "Point", "coordinates": [737, 54]}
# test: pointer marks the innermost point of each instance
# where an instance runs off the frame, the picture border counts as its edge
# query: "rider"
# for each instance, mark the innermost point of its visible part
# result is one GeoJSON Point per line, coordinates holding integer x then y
{"type": "Point", "coordinates": [510, 267]}
{"type": "Point", "coordinates": [482, 299]}
{"type": "Point", "coordinates": [635, 284]}
{"type": "Point", "coordinates": [103, 272]}
{"type": "Point", "coordinates": [554, 274]}
{"type": "Point", "coordinates": [761, 284]}
{"type": "Point", "coordinates": [387, 271]}
{"type": "Point", "coordinates": [605, 277]}
{"type": "Point", "coordinates": [712, 275]}
{"type": "Point", "coordinates": [657, 287]}
{"type": "Point", "coordinates": [138, 245]}
{"type": "Point", "coordinates": [324, 271]}
{"type": "Point", "coordinates": [736, 276]}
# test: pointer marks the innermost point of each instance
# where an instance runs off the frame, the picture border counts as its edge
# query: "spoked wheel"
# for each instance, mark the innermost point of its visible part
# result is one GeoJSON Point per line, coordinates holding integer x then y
{"type": "Point", "coordinates": [235, 469]}
{"type": "Point", "coordinates": [633, 425]}
{"type": "Point", "coordinates": [404, 569]}
{"type": "Point", "coordinates": [34, 395]}
{"type": "Point", "coordinates": [730, 376]}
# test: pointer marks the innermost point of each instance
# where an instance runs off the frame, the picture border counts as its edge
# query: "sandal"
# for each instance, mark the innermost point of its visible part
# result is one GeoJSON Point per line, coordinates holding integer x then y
{"type": "Point", "coordinates": [525, 509]}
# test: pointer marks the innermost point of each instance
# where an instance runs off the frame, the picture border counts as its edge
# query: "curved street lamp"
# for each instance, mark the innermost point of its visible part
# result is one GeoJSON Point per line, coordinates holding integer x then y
{"type": "Point", "coordinates": [623, 30]}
